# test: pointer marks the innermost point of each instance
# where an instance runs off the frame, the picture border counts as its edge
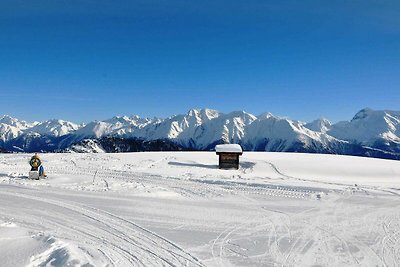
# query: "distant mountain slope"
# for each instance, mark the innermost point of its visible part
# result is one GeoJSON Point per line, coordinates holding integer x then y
{"type": "Point", "coordinates": [118, 145]}
{"type": "Point", "coordinates": [54, 128]}
{"type": "Point", "coordinates": [369, 133]}
{"type": "Point", "coordinates": [378, 129]}
{"type": "Point", "coordinates": [11, 128]}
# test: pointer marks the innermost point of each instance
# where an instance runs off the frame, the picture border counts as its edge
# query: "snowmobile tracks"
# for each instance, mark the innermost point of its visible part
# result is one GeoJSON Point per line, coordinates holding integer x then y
{"type": "Point", "coordinates": [198, 187]}
{"type": "Point", "coordinates": [262, 189]}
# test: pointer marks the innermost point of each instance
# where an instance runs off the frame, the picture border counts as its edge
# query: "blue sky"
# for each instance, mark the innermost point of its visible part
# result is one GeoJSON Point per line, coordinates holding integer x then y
{"type": "Point", "coordinates": [86, 60]}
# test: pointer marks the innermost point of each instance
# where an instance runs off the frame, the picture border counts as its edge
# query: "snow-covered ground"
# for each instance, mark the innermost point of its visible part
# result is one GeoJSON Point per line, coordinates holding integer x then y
{"type": "Point", "coordinates": [179, 209]}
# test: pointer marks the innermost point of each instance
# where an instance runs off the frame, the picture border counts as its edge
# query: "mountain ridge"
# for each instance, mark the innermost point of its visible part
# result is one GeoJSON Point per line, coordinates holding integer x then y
{"type": "Point", "coordinates": [369, 133]}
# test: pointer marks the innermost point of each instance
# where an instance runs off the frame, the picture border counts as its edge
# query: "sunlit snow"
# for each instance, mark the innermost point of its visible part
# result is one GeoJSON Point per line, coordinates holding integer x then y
{"type": "Point", "coordinates": [179, 209]}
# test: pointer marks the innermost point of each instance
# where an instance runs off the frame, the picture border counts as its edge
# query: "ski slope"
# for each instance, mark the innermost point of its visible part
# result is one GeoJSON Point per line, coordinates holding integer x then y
{"type": "Point", "coordinates": [179, 209]}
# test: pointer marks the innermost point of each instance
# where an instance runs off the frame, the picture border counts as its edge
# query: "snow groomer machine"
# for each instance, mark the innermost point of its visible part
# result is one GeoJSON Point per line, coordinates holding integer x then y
{"type": "Point", "coordinates": [37, 169]}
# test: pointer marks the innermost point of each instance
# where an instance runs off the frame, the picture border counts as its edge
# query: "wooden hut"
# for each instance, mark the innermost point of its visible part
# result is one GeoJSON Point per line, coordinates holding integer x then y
{"type": "Point", "coordinates": [229, 155]}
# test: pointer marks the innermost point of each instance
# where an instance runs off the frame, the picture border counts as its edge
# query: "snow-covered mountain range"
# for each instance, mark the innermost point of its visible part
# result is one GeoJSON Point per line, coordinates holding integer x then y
{"type": "Point", "coordinates": [373, 133]}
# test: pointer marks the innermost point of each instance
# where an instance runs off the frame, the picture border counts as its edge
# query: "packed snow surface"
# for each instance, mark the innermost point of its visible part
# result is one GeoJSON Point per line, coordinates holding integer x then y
{"type": "Point", "coordinates": [179, 209]}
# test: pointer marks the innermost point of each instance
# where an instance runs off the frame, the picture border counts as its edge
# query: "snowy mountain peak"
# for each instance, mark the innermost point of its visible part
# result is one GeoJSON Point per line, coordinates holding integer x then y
{"type": "Point", "coordinates": [137, 118]}
{"type": "Point", "coordinates": [54, 127]}
{"type": "Point", "coordinates": [119, 120]}
{"type": "Point", "coordinates": [211, 113]}
{"type": "Point", "coordinates": [203, 114]}
{"type": "Point", "coordinates": [265, 115]}
{"type": "Point", "coordinates": [94, 129]}
{"type": "Point", "coordinates": [362, 114]}
{"type": "Point", "coordinates": [376, 128]}
{"type": "Point", "coordinates": [320, 125]}
{"type": "Point", "coordinates": [241, 113]}
{"type": "Point", "coordinates": [240, 119]}
{"type": "Point", "coordinates": [8, 120]}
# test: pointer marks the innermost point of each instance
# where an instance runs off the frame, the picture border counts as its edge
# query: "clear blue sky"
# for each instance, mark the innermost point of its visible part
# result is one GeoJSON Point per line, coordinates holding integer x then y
{"type": "Point", "coordinates": [93, 59]}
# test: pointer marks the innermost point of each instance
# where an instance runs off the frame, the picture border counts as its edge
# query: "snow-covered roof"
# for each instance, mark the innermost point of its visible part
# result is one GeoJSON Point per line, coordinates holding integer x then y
{"type": "Point", "coordinates": [228, 148]}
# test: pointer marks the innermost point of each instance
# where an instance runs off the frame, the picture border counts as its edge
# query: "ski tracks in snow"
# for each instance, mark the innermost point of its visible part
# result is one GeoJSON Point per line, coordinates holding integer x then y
{"type": "Point", "coordinates": [120, 241]}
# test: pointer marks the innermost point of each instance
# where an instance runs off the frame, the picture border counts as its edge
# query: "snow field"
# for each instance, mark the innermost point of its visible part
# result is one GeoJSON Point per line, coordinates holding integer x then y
{"type": "Point", "coordinates": [179, 209]}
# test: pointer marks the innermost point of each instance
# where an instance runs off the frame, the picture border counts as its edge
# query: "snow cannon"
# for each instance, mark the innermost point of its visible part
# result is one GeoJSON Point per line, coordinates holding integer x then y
{"type": "Point", "coordinates": [37, 169]}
